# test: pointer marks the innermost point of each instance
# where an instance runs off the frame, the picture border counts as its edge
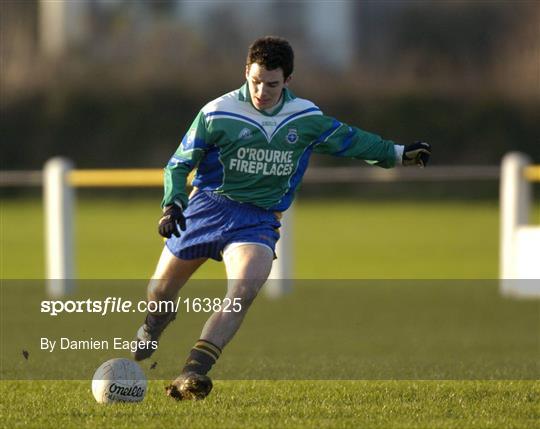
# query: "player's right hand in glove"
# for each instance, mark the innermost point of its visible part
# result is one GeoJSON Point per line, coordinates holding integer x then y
{"type": "Point", "coordinates": [172, 219]}
{"type": "Point", "coordinates": [417, 154]}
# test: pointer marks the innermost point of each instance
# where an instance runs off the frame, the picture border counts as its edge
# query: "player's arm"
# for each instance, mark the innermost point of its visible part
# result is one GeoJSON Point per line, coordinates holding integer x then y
{"type": "Point", "coordinates": [190, 151]}
{"type": "Point", "coordinates": [340, 139]}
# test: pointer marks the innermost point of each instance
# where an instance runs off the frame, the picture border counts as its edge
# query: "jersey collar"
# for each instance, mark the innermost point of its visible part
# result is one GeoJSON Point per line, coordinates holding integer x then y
{"type": "Point", "coordinates": [287, 95]}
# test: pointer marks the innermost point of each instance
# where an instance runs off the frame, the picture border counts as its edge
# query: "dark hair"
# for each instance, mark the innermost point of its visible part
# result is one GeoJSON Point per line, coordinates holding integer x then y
{"type": "Point", "coordinates": [272, 52]}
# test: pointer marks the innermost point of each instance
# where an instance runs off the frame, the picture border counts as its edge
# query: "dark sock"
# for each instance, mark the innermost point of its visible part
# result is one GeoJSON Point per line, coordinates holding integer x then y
{"type": "Point", "coordinates": [202, 356]}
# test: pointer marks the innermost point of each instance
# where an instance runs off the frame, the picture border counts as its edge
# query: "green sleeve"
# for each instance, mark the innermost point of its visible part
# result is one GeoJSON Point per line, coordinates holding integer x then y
{"type": "Point", "coordinates": [340, 139]}
{"type": "Point", "coordinates": [186, 158]}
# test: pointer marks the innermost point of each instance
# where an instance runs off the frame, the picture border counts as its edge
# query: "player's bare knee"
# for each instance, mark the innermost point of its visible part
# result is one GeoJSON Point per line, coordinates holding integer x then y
{"type": "Point", "coordinates": [160, 290]}
{"type": "Point", "coordinates": [246, 291]}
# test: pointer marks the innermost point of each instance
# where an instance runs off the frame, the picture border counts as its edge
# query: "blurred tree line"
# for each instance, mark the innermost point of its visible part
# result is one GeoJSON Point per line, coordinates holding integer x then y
{"type": "Point", "coordinates": [464, 76]}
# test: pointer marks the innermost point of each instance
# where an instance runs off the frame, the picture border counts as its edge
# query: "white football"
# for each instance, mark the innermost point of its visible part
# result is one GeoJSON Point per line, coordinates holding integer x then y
{"type": "Point", "coordinates": [119, 380]}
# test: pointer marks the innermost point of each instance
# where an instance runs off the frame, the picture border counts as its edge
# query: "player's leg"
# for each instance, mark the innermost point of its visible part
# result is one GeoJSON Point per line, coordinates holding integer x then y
{"type": "Point", "coordinates": [170, 276]}
{"type": "Point", "coordinates": [248, 267]}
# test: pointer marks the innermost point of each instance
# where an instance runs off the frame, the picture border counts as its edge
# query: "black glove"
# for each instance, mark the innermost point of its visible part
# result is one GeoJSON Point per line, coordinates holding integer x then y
{"type": "Point", "coordinates": [417, 154]}
{"type": "Point", "coordinates": [170, 221]}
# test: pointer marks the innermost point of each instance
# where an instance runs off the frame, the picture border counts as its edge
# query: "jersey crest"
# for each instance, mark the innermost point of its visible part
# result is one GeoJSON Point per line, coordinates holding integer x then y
{"type": "Point", "coordinates": [292, 135]}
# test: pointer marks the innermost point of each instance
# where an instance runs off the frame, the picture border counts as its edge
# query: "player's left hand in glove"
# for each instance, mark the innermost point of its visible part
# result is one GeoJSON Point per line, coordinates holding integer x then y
{"type": "Point", "coordinates": [417, 154]}
{"type": "Point", "coordinates": [171, 221]}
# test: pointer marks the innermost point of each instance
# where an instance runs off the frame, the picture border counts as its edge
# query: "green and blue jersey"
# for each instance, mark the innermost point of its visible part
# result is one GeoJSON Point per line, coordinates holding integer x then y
{"type": "Point", "coordinates": [254, 157]}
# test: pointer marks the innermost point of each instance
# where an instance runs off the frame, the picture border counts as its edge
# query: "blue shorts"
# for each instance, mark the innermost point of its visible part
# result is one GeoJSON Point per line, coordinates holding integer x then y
{"type": "Point", "coordinates": [214, 221]}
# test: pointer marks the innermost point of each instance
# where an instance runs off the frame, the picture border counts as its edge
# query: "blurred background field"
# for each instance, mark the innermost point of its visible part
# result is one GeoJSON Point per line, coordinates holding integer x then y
{"type": "Point", "coordinates": [116, 83]}
{"type": "Point", "coordinates": [116, 238]}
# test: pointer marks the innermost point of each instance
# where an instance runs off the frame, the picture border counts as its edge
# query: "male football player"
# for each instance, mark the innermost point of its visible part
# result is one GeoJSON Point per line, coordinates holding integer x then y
{"type": "Point", "coordinates": [250, 149]}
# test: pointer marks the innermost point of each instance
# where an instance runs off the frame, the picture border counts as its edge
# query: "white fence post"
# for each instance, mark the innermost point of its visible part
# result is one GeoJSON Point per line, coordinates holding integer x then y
{"type": "Point", "coordinates": [58, 198]}
{"type": "Point", "coordinates": [280, 279]}
{"type": "Point", "coordinates": [519, 242]}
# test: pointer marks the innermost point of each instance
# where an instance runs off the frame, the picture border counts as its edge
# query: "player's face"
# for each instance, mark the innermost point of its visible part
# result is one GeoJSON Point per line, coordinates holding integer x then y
{"type": "Point", "coordinates": [265, 86]}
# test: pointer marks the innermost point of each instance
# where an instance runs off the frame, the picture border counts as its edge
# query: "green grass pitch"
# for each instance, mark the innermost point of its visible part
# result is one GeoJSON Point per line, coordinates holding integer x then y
{"type": "Point", "coordinates": [451, 240]}
{"type": "Point", "coordinates": [279, 404]}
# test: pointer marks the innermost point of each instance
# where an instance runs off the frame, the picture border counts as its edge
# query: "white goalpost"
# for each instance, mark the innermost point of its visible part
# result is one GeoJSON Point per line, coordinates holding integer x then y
{"type": "Point", "coordinates": [58, 198]}
{"type": "Point", "coordinates": [519, 241]}
{"type": "Point", "coordinates": [59, 182]}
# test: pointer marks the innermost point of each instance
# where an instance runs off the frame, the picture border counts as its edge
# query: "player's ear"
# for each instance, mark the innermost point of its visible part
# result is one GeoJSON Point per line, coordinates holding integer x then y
{"type": "Point", "coordinates": [288, 80]}
{"type": "Point", "coordinates": [247, 71]}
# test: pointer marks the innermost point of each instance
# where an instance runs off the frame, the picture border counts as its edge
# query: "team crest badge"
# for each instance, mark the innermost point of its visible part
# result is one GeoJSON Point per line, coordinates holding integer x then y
{"type": "Point", "coordinates": [292, 136]}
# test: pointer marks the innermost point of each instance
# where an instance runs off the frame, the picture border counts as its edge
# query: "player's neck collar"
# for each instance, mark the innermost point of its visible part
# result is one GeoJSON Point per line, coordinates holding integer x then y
{"type": "Point", "coordinates": [287, 95]}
